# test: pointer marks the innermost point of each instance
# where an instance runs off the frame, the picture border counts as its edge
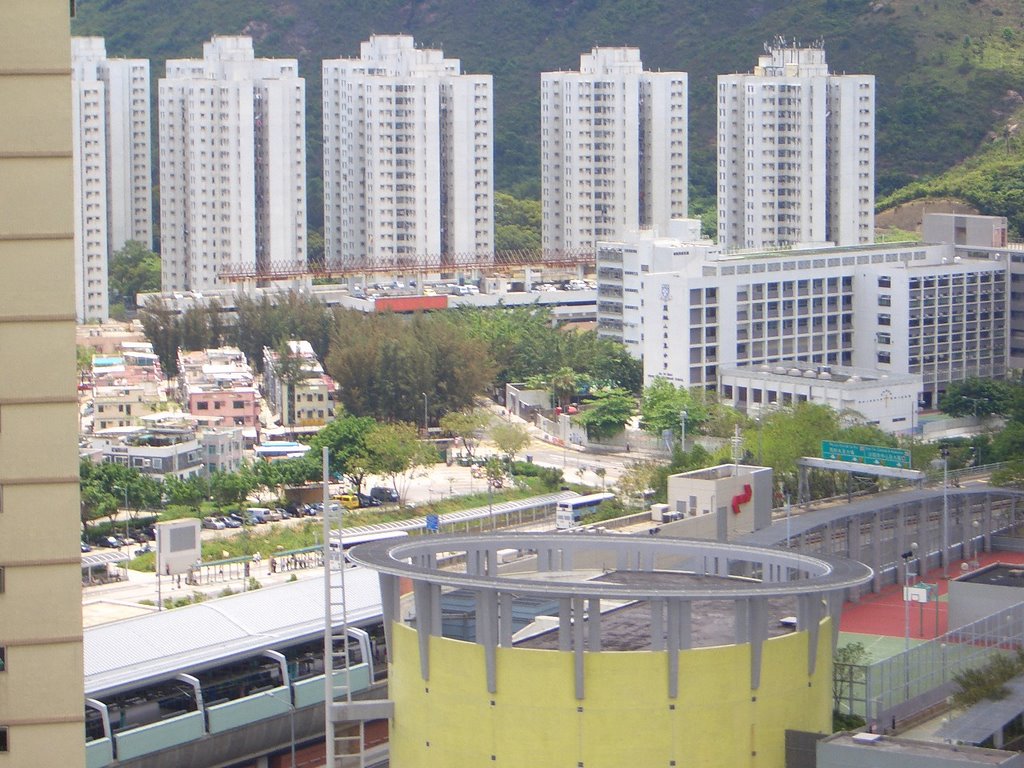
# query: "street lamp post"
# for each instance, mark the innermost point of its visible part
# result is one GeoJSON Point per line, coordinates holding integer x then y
{"type": "Point", "coordinates": [125, 489]}
{"type": "Point", "coordinates": [682, 433]}
{"type": "Point", "coordinates": [907, 557]}
{"type": "Point", "coordinates": [945, 513]}
{"type": "Point", "coordinates": [291, 722]}
{"type": "Point", "coordinates": [424, 413]}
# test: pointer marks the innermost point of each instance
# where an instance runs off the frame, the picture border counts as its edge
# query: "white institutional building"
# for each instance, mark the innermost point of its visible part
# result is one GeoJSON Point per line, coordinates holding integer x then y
{"type": "Point", "coordinates": [613, 149]}
{"type": "Point", "coordinates": [691, 308]}
{"type": "Point", "coordinates": [111, 150]}
{"type": "Point", "coordinates": [232, 164]}
{"type": "Point", "coordinates": [796, 153]}
{"type": "Point", "coordinates": [408, 156]}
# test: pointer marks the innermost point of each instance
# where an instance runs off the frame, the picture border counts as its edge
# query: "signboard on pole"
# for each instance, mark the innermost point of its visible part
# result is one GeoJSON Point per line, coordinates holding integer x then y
{"type": "Point", "coordinates": [875, 455]}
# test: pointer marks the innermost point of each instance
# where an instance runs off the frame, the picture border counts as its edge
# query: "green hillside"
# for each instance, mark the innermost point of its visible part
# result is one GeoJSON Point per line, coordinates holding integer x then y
{"type": "Point", "coordinates": [947, 70]}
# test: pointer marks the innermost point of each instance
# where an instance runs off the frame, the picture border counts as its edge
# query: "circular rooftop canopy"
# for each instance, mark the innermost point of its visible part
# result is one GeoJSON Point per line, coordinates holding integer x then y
{"type": "Point", "coordinates": [564, 565]}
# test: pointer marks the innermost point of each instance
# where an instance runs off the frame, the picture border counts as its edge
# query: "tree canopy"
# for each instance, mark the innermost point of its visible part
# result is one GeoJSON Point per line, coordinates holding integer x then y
{"type": "Point", "coordinates": [607, 412]}
{"type": "Point", "coordinates": [134, 269]}
{"type": "Point", "coordinates": [977, 397]}
{"type": "Point", "coordinates": [387, 365]}
{"type": "Point", "coordinates": [662, 406]}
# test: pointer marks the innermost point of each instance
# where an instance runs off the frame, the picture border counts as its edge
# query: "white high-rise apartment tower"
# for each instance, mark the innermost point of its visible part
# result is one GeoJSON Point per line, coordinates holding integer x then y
{"type": "Point", "coordinates": [408, 156]}
{"type": "Point", "coordinates": [110, 146]}
{"type": "Point", "coordinates": [796, 153]}
{"type": "Point", "coordinates": [613, 149]}
{"type": "Point", "coordinates": [232, 164]}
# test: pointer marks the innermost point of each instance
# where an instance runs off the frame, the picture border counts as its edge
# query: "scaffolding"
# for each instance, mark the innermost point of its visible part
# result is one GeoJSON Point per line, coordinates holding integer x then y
{"type": "Point", "coordinates": [497, 262]}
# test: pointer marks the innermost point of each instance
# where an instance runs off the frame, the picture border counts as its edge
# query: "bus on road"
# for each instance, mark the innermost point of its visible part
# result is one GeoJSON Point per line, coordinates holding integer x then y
{"type": "Point", "coordinates": [569, 511]}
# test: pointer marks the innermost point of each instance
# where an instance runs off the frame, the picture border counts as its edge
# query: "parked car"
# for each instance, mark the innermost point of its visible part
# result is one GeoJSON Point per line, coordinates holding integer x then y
{"type": "Point", "coordinates": [366, 500]}
{"type": "Point", "coordinates": [144, 549]}
{"type": "Point", "coordinates": [347, 500]}
{"type": "Point", "coordinates": [231, 521]}
{"type": "Point", "coordinates": [213, 523]}
{"type": "Point", "coordinates": [86, 547]}
{"type": "Point", "coordinates": [384, 494]}
{"type": "Point", "coordinates": [273, 516]}
{"type": "Point", "coordinates": [113, 542]}
{"type": "Point", "coordinates": [256, 515]}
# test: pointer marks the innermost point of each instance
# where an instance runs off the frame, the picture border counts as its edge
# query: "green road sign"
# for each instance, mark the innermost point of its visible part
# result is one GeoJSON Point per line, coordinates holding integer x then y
{"type": "Point", "coordinates": [875, 455]}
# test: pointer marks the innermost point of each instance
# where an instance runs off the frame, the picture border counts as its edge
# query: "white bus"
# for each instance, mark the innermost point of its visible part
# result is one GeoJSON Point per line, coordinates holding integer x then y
{"type": "Point", "coordinates": [362, 538]}
{"type": "Point", "coordinates": [569, 511]}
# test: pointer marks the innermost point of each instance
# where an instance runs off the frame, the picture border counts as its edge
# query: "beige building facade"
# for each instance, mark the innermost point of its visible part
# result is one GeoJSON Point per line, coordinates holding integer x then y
{"type": "Point", "coordinates": [41, 687]}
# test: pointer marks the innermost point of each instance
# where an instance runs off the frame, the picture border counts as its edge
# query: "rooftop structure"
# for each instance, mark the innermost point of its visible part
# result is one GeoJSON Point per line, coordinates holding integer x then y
{"type": "Point", "coordinates": [887, 400]}
{"type": "Point", "coordinates": [665, 702]}
{"type": "Point", "coordinates": [204, 684]}
{"type": "Point", "coordinates": [860, 750]}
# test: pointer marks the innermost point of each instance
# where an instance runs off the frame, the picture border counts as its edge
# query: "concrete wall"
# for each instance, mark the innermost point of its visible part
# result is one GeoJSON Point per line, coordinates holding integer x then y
{"type": "Point", "coordinates": [626, 717]}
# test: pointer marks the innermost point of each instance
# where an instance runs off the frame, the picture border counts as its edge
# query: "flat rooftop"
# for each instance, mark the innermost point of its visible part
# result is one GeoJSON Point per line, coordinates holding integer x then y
{"type": "Point", "coordinates": [921, 749]}
{"type": "Point", "coordinates": [628, 628]}
{"type": "Point", "coordinates": [998, 575]}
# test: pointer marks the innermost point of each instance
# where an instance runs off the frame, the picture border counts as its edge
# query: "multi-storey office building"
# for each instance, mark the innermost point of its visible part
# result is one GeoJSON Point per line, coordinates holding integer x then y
{"type": "Point", "coordinates": [408, 155]}
{"type": "Point", "coordinates": [613, 149]}
{"type": "Point", "coordinates": [110, 145]}
{"type": "Point", "coordinates": [41, 717]}
{"type": "Point", "coordinates": [795, 153]}
{"type": "Point", "coordinates": [232, 164]}
{"type": "Point", "coordinates": [901, 308]}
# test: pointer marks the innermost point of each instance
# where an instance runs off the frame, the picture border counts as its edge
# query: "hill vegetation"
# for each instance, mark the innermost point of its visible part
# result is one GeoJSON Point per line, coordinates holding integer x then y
{"type": "Point", "coordinates": [946, 70]}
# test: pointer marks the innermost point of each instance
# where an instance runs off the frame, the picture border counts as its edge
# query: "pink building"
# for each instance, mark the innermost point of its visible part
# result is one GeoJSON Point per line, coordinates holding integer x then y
{"type": "Point", "coordinates": [218, 386]}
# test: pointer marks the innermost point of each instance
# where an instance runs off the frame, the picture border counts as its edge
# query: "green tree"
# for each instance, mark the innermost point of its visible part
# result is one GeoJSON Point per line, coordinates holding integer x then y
{"type": "Point", "coordinates": [134, 269]}
{"type": "Point", "coordinates": [189, 492]}
{"type": "Point", "coordinates": [232, 487]}
{"type": "Point", "coordinates": [849, 661]}
{"type": "Point", "coordinates": [346, 441]}
{"type": "Point", "coordinates": [977, 397]}
{"type": "Point", "coordinates": [395, 452]}
{"type": "Point", "coordinates": [564, 385]}
{"type": "Point", "coordinates": [517, 223]}
{"type": "Point", "coordinates": [384, 364]}
{"type": "Point", "coordinates": [83, 359]}
{"type": "Point", "coordinates": [987, 681]}
{"type": "Point", "coordinates": [662, 405]}
{"type": "Point", "coordinates": [607, 413]}
{"type": "Point", "coordinates": [291, 369]}
{"type": "Point", "coordinates": [639, 478]}
{"type": "Point", "coordinates": [466, 426]}
{"type": "Point", "coordinates": [162, 328]}
{"type": "Point", "coordinates": [789, 433]}
{"type": "Point", "coordinates": [510, 438]}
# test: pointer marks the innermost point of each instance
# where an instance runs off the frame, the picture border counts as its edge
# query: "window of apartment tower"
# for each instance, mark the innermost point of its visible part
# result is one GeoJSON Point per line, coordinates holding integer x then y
{"type": "Point", "coordinates": [1, 580]}
{"type": "Point", "coordinates": [3, 739]}
{"type": "Point", "coordinates": [238, 404]}
{"type": "Point", "coordinates": [3, 659]}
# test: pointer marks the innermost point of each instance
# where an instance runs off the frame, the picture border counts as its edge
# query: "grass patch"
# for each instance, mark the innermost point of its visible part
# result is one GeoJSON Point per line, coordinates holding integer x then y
{"type": "Point", "coordinates": [275, 537]}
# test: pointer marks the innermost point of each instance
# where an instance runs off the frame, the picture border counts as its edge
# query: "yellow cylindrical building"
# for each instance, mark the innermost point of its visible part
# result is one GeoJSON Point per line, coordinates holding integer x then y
{"type": "Point", "coordinates": [573, 696]}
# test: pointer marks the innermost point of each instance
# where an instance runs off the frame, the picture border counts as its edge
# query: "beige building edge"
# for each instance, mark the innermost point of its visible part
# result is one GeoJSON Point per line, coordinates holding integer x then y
{"type": "Point", "coordinates": [41, 713]}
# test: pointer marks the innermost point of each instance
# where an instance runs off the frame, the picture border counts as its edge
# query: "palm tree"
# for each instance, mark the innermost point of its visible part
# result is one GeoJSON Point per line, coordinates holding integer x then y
{"type": "Point", "coordinates": [563, 384]}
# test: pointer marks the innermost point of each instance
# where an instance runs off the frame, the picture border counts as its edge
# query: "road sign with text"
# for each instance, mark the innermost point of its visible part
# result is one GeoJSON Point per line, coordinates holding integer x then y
{"type": "Point", "coordinates": [876, 455]}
